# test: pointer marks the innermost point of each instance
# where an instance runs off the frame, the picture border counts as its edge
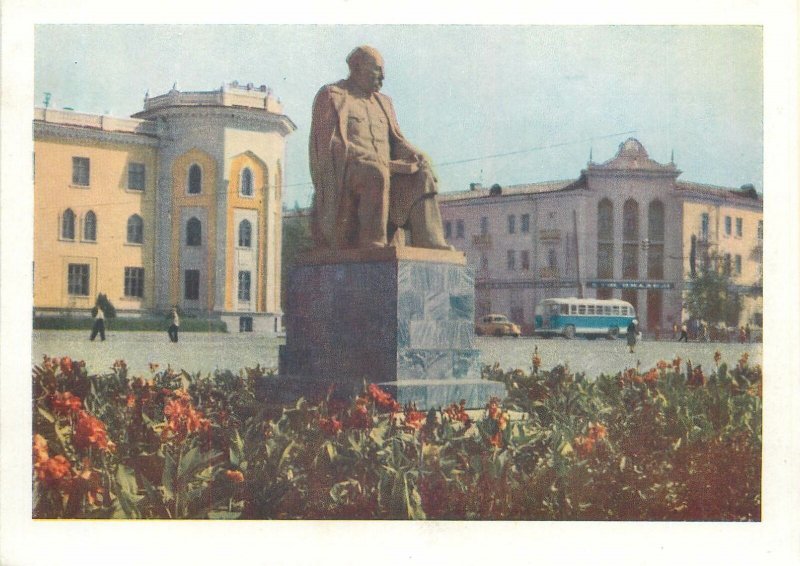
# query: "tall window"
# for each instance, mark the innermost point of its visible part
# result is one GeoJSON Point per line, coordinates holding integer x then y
{"type": "Point", "coordinates": [484, 225]}
{"type": "Point", "coordinates": [726, 264]}
{"type": "Point", "coordinates": [525, 223]}
{"type": "Point", "coordinates": [134, 282]}
{"type": "Point", "coordinates": [68, 225]}
{"type": "Point", "coordinates": [191, 284]}
{"type": "Point", "coordinates": [244, 285]}
{"type": "Point", "coordinates": [136, 176]}
{"type": "Point", "coordinates": [195, 179]}
{"type": "Point", "coordinates": [630, 237]}
{"type": "Point", "coordinates": [448, 229]}
{"type": "Point", "coordinates": [552, 260]}
{"type": "Point", "coordinates": [737, 264]}
{"type": "Point", "coordinates": [246, 182]}
{"type": "Point", "coordinates": [525, 260]}
{"type": "Point", "coordinates": [80, 171]}
{"type": "Point", "coordinates": [78, 279]}
{"type": "Point", "coordinates": [511, 258]}
{"type": "Point", "coordinates": [727, 225]}
{"type": "Point", "coordinates": [605, 239]}
{"type": "Point", "coordinates": [655, 235]}
{"type": "Point", "coordinates": [194, 232]}
{"type": "Point", "coordinates": [459, 229]}
{"type": "Point", "coordinates": [739, 227]}
{"type": "Point", "coordinates": [512, 223]}
{"type": "Point", "coordinates": [135, 229]}
{"type": "Point", "coordinates": [704, 226]}
{"type": "Point", "coordinates": [90, 227]}
{"type": "Point", "coordinates": [245, 233]}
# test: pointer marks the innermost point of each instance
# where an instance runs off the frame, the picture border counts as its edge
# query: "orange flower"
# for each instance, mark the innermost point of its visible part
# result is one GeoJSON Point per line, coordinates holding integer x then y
{"type": "Point", "coordinates": [662, 365]}
{"type": "Point", "coordinates": [584, 445]}
{"type": "Point", "coordinates": [235, 476]}
{"type": "Point", "coordinates": [413, 418]}
{"type": "Point", "coordinates": [130, 400]}
{"type": "Point", "coordinates": [53, 470]}
{"type": "Point", "coordinates": [743, 360]}
{"type": "Point", "coordinates": [457, 412]}
{"type": "Point", "coordinates": [383, 401]}
{"type": "Point", "coordinates": [493, 407]}
{"type": "Point", "coordinates": [330, 426]}
{"type": "Point", "coordinates": [651, 376]}
{"type": "Point", "coordinates": [496, 439]}
{"type": "Point", "coordinates": [90, 431]}
{"type": "Point", "coordinates": [66, 402]}
{"type": "Point", "coordinates": [697, 379]}
{"type": "Point", "coordinates": [66, 366]}
{"type": "Point", "coordinates": [676, 364]}
{"type": "Point", "coordinates": [40, 453]}
{"type": "Point", "coordinates": [359, 415]}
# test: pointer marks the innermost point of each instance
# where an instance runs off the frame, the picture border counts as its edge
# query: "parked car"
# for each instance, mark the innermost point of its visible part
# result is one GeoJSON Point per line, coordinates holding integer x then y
{"type": "Point", "coordinates": [496, 325]}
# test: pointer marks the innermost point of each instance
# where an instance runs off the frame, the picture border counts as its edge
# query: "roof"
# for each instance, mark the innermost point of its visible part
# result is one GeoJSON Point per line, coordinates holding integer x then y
{"type": "Point", "coordinates": [633, 156]}
{"type": "Point", "coordinates": [744, 194]}
{"type": "Point", "coordinates": [524, 189]}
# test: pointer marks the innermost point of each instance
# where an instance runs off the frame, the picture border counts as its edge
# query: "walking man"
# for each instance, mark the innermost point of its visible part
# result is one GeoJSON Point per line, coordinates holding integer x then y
{"type": "Point", "coordinates": [632, 329]}
{"type": "Point", "coordinates": [173, 328]}
{"type": "Point", "coordinates": [99, 325]}
{"type": "Point", "coordinates": [684, 333]}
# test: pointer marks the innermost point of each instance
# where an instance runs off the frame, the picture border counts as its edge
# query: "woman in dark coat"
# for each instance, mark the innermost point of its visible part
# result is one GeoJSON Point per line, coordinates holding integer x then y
{"type": "Point", "coordinates": [632, 334]}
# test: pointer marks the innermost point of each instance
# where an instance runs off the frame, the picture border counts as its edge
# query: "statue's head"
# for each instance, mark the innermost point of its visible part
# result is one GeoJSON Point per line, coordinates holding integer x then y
{"type": "Point", "coordinates": [366, 68]}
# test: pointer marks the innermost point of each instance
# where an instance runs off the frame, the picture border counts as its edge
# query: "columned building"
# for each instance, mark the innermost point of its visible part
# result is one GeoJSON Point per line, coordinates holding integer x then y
{"type": "Point", "coordinates": [178, 205]}
{"type": "Point", "coordinates": [623, 229]}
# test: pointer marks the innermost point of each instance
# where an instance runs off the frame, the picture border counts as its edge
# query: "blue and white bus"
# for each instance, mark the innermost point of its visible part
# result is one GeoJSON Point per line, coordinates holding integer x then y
{"type": "Point", "coordinates": [583, 317]}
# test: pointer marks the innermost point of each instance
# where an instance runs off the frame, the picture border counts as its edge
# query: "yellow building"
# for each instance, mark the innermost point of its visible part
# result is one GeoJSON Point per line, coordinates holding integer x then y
{"type": "Point", "coordinates": [179, 205]}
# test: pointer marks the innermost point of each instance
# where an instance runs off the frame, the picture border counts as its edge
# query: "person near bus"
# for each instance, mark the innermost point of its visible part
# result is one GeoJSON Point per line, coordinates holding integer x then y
{"type": "Point", "coordinates": [173, 328]}
{"type": "Point", "coordinates": [684, 333]}
{"type": "Point", "coordinates": [632, 330]}
{"type": "Point", "coordinates": [99, 325]}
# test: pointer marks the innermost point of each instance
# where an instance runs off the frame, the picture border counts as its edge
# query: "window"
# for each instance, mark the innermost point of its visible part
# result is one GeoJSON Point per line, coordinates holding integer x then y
{"type": "Point", "coordinates": [605, 261]}
{"type": "Point", "coordinates": [245, 232]}
{"type": "Point", "coordinates": [78, 279]}
{"type": "Point", "coordinates": [605, 237]}
{"type": "Point", "coordinates": [655, 221]}
{"type": "Point", "coordinates": [484, 225]}
{"type": "Point", "coordinates": [726, 264]}
{"type": "Point", "coordinates": [737, 263]}
{"type": "Point", "coordinates": [727, 225]}
{"type": "Point", "coordinates": [459, 229]}
{"type": "Point", "coordinates": [68, 225]}
{"type": "Point", "coordinates": [136, 176]}
{"type": "Point", "coordinates": [80, 171]}
{"type": "Point", "coordinates": [739, 227]}
{"type": "Point", "coordinates": [525, 260]}
{"type": "Point", "coordinates": [552, 259]}
{"type": "Point", "coordinates": [90, 227]}
{"type": "Point", "coordinates": [512, 221]}
{"type": "Point", "coordinates": [525, 223]}
{"type": "Point", "coordinates": [134, 282]}
{"type": "Point", "coordinates": [244, 285]}
{"type": "Point", "coordinates": [655, 261]}
{"type": "Point", "coordinates": [511, 257]}
{"type": "Point", "coordinates": [246, 182]}
{"type": "Point", "coordinates": [194, 232]}
{"type": "Point", "coordinates": [191, 284]}
{"type": "Point", "coordinates": [704, 226]}
{"type": "Point", "coordinates": [760, 230]}
{"type": "Point", "coordinates": [590, 309]}
{"type": "Point", "coordinates": [448, 229]}
{"type": "Point", "coordinates": [135, 229]}
{"type": "Point", "coordinates": [630, 221]}
{"type": "Point", "coordinates": [195, 179]}
{"type": "Point", "coordinates": [630, 261]}
{"type": "Point", "coordinates": [245, 324]}
{"type": "Point", "coordinates": [581, 309]}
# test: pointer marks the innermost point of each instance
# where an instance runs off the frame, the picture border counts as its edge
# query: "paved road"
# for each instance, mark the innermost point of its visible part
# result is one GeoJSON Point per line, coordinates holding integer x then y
{"type": "Point", "coordinates": [206, 352]}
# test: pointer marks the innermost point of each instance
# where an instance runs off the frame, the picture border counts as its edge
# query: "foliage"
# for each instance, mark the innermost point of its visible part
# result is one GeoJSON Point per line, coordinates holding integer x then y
{"type": "Point", "coordinates": [296, 239]}
{"type": "Point", "coordinates": [129, 324]}
{"type": "Point", "coordinates": [670, 443]}
{"type": "Point", "coordinates": [710, 296]}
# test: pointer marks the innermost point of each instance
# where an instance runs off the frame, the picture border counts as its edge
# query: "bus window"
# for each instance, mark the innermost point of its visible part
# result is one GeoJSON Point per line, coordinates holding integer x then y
{"type": "Point", "coordinates": [589, 309]}
{"type": "Point", "coordinates": [554, 309]}
{"type": "Point", "coordinates": [615, 310]}
{"type": "Point", "coordinates": [573, 309]}
{"type": "Point", "coordinates": [607, 310]}
{"type": "Point", "coordinates": [564, 309]}
{"type": "Point", "coordinates": [581, 309]}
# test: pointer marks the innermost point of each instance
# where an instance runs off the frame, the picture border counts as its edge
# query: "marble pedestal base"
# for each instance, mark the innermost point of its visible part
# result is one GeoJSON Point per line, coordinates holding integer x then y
{"type": "Point", "coordinates": [399, 317]}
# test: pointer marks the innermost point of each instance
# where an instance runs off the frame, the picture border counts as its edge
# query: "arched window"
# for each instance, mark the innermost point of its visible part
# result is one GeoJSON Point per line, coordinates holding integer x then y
{"type": "Point", "coordinates": [194, 232]}
{"type": "Point", "coordinates": [195, 179]}
{"type": "Point", "coordinates": [605, 239]}
{"type": "Point", "coordinates": [68, 225]}
{"type": "Point", "coordinates": [90, 227]}
{"type": "Point", "coordinates": [245, 234]}
{"type": "Point", "coordinates": [135, 229]}
{"type": "Point", "coordinates": [630, 237]}
{"type": "Point", "coordinates": [246, 182]}
{"type": "Point", "coordinates": [655, 235]}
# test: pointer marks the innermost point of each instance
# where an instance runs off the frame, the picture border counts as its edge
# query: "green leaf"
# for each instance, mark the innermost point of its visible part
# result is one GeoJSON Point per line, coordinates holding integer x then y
{"type": "Point", "coordinates": [46, 414]}
{"type": "Point", "coordinates": [168, 476]}
{"type": "Point", "coordinates": [126, 479]}
{"type": "Point", "coordinates": [236, 450]}
{"type": "Point", "coordinates": [224, 515]}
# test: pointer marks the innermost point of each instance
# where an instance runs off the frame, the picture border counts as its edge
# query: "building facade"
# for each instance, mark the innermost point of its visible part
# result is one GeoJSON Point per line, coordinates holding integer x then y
{"type": "Point", "coordinates": [623, 229]}
{"type": "Point", "coordinates": [178, 205]}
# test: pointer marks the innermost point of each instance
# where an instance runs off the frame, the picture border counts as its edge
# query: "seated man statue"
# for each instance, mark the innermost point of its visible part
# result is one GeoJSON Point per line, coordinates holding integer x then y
{"type": "Point", "coordinates": [369, 181]}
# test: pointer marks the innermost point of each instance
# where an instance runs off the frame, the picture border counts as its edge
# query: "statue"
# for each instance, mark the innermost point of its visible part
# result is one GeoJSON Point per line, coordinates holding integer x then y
{"type": "Point", "coordinates": [369, 181]}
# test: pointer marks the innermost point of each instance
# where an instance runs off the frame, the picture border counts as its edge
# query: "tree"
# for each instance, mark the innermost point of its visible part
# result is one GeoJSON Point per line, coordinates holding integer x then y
{"type": "Point", "coordinates": [712, 297]}
{"type": "Point", "coordinates": [296, 240]}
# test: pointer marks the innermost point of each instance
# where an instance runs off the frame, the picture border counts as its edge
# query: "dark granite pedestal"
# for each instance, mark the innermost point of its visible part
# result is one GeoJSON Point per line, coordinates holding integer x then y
{"type": "Point", "coordinates": [400, 317]}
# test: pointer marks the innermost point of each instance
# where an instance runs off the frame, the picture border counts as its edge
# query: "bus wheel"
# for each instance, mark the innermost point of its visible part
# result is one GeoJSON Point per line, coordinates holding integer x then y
{"type": "Point", "coordinates": [569, 332]}
{"type": "Point", "coordinates": [613, 333]}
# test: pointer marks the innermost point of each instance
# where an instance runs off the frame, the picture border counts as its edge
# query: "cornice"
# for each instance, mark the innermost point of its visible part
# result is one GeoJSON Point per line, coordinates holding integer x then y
{"type": "Point", "coordinates": [46, 129]}
{"type": "Point", "coordinates": [240, 115]}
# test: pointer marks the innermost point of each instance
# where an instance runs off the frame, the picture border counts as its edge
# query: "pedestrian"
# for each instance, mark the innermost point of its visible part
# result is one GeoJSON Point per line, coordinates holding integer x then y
{"type": "Point", "coordinates": [675, 331]}
{"type": "Point", "coordinates": [747, 332]}
{"type": "Point", "coordinates": [99, 325]}
{"type": "Point", "coordinates": [173, 328]}
{"type": "Point", "coordinates": [632, 329]}
{"type": "Point", "coordinates": [684, 333]}
{"type": "Point", "coordinates": [742, 335]}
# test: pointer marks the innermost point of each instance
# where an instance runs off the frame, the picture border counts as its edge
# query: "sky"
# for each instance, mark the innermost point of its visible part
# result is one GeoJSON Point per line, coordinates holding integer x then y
{"type": "Point", "coordinates": [492, 104]}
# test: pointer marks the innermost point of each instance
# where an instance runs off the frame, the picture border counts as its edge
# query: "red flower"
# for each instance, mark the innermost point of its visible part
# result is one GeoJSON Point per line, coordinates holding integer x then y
{"type": "Point", "coordinates": [414, 419]}
{"type": "Point", "coordinates": [584, 445]}
{"type": "Point", "coordinates": [66, 366]}
{"type": "Point", "coordinates": [359, 415]}
{"type": "Point", "coordinates": [330, 426]}
{"type": "Point", "coordinates": [182, 418]}
{"type": "Point", "coordinates": [676, 365]}
{"type": "Point", "coordinates": [496, 439]}
{"type": "Point", "coordinates": [235, 476]}
{"type": "Point", "coordinates": [66, 402]}
{"type": "Point", "coordinates": [383, 401]}
{"type": "Point", "coordinates": [90, 431]}
{"type": "Point", "coordinates": [651, 376]}
{"type": "Point", "coordinates": [697, 379]}
{"type": "Point", "coordinates": [457, 412]}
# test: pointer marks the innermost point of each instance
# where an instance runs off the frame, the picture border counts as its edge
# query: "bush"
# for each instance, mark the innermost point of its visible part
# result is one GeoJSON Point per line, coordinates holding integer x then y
{"type": "Point", "coordinates": [128, 324]}
{"type": "Point", "coordinates": [661, 444]}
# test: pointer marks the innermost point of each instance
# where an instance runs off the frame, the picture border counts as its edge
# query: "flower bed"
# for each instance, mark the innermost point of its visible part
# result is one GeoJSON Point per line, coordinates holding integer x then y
{"type": "Point", "coordinates": [668, 443]}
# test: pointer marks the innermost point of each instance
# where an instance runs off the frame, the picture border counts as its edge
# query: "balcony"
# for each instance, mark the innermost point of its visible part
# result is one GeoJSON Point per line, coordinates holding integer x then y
{"type": "Point", "coordinates": [482, 241]}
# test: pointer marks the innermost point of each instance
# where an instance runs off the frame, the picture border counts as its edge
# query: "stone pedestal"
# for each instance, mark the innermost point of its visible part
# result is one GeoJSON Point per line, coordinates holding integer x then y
{"type": "Point", "coordinates": [400, 317]}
